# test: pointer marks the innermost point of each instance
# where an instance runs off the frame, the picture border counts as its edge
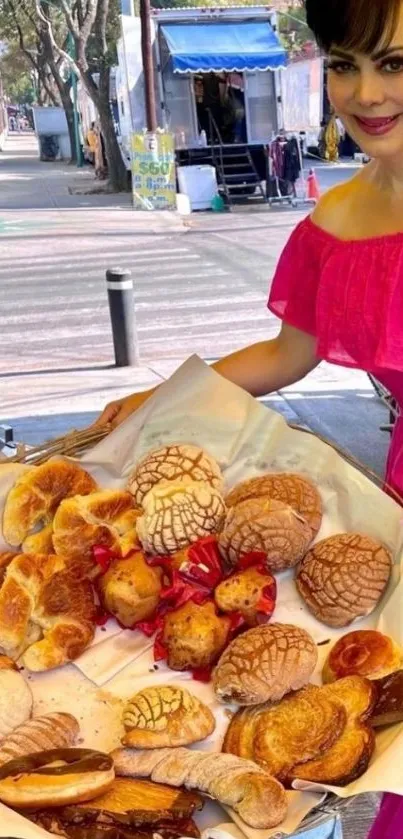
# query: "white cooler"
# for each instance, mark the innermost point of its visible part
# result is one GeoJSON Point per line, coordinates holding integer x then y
{"type": "Point", "coordinates": [199, 183]}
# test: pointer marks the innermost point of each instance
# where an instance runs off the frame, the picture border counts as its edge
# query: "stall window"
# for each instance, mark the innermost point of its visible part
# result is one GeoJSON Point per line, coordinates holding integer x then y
{"type": "Point", "coordinates": [261, 107]}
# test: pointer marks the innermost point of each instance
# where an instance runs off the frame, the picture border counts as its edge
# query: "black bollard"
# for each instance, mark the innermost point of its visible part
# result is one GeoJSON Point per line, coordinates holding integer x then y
{"type": "Point", "coordinates": [119, 284]}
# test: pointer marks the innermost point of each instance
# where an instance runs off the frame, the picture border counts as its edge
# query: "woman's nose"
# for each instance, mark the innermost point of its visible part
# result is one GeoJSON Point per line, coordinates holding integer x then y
{"type": "Point", "coordinates": [369, 89]}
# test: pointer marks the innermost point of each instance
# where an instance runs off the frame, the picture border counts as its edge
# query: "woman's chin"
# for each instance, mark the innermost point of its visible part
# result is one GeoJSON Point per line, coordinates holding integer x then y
{"type": "Point", "coordinates": [382, 146]}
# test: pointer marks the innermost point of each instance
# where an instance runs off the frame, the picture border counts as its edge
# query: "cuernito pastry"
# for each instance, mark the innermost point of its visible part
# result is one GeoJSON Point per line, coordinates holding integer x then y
{"type": "Point", "coordinates": [106, 518]}
{"type": "Point", "coordinates": [344, 577]}
{"type": "Point", "coordinates": [35, 496]}
{"type": "Point", "coordinates": [179, 463]}
{"type": "Point", "coordinates": [364, 652]}
{"type": "Point", "coordinates": [295, 490]}
{"type": "Point", "coordinates": [264, 664]}
{"type": "Point", "coordinates": [194, 636]}
{"type": "Point", "coordinates": [266, 526]}
{"type": "Point", "coordinates": [53, 616]}
{"type": "Point", "coordinates": [165, 715]}
{"type": "Point", "coordinates": [178, 514]}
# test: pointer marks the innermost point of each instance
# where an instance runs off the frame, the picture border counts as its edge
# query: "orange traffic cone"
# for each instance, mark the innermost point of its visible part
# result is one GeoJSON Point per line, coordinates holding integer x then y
{"type": "Point", "coordinates": [313, 186]}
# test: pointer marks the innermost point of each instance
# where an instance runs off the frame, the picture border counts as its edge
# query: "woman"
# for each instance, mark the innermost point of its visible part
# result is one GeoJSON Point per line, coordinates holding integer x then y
{"type": "Point", "coordinates": [338, 288]}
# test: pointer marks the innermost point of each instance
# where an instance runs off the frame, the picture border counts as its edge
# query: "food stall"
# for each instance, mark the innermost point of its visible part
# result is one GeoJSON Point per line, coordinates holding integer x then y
{"type": "Point", "coordinates": [208, 627]}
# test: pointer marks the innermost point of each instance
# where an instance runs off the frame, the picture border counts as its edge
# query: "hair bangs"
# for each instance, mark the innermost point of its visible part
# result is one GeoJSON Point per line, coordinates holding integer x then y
{"type": "Point", "coordinates": [358, 25]}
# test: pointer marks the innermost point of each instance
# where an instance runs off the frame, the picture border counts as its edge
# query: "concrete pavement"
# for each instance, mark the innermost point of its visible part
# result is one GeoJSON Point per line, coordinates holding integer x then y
{"type": "Point", "coordinates": [201, 286]}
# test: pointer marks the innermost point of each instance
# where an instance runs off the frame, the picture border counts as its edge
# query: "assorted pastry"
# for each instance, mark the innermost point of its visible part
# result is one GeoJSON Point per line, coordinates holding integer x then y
{"type": "Point", "coordinates": [177, 558]}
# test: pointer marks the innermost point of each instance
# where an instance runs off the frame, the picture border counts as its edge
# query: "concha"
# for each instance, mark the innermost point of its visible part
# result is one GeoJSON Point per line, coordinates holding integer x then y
{"type": "Point", "coordinates": [267, 526]}
{"type": "Point", "coordinates": [179, 463]}
{"type": "Point", "coordinates": [292, 489]}
{"type": "Point", "coordinates": [177, 515]}
{"type": "Point", "coordinates": [264, 664]}
{"type": "Point", "coordinates": [344, 577]}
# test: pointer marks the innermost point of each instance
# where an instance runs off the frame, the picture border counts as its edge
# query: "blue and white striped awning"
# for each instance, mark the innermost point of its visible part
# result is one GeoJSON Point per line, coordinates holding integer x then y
{"type": "Point", "coordinates": [224, 47]}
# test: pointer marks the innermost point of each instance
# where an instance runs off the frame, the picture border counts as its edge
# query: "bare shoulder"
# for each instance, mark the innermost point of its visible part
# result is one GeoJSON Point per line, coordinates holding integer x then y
{"type": "Point", "coordinates": [334, 208]}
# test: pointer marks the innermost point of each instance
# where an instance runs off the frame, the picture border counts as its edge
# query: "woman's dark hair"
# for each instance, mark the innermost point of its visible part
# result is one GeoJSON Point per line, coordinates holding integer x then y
{"type": "Point", "coordinates": [361, 25]}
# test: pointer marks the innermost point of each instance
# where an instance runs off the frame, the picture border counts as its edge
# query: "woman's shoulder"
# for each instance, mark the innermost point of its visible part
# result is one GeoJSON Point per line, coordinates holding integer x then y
{"type": "Point", "coordinates": [335, 208]}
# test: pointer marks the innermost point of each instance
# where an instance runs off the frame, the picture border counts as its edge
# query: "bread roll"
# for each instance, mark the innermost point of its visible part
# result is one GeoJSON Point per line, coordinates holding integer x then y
{"type": "Point", "coordinates": [106, 518]}
{"type": "Point", "coordinates": [36, 495]}
{"type": "Point", "coordinates": [7, 663]}
{"type": "Point", "coordinates": [177, 515]}
{"type": "Point", "coordinates": [344, 577]}
{"type": "Point", "coordinates": [364, 652]}
{"type": "Point", "coordinates": [130, 590]}
{"type": "Point", "coordinates": [264, 664]}
{"type": "Point", "coordinates": [178, 463]}
{"type": "Point", "coordinates": [194, 636]}
{"type": "Point", "coordinates": [266, 526]}
{"type": "Point", "coordinates": [296, 491]}
{"type": "Point", "coordinates": [16, 701]}
{"type": "Point", "coordinates": [165, 716]}
{"type": "Point", "coordinates": [257, 798]}
{"type": "Point", "coordinates": [251, 592]}
{"type": "Point", "coordinates": [52, 731]}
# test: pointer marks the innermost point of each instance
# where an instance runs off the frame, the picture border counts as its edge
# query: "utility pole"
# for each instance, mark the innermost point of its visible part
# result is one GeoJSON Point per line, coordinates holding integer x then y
{"type": "Point", "coordinates": [148, 65]}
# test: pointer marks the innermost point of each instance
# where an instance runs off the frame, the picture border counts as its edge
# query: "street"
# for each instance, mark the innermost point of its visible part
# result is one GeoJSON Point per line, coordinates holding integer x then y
{"type": "Point", "coordinates": [201, 286]}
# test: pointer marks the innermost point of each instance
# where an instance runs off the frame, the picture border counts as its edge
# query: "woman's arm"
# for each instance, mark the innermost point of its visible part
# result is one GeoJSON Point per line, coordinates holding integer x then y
{"type": "Point", "coordinates": [258, 369]}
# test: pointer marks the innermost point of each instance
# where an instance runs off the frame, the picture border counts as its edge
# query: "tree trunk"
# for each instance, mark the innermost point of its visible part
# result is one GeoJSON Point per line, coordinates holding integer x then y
{"type": "Point", "coordinates": [69, 111]}
{"type": "Point", "coordinates": [117, 172]}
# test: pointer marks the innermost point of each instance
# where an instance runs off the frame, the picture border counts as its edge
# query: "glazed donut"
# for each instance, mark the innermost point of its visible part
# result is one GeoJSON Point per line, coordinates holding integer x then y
{"type": "Point", "coordinates": [55, 778]}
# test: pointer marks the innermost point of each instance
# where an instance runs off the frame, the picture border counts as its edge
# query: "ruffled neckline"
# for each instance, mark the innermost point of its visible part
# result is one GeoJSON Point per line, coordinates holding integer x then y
{"type": "Point", "coordinates": [388, 238]}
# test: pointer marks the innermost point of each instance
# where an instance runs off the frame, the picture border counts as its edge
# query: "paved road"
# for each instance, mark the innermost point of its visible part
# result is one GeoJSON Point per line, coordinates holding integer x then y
{"type": "Point", "coordinates": [200, 288]}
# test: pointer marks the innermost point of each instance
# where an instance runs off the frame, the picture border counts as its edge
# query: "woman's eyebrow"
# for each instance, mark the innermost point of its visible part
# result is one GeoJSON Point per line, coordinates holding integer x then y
{"type": "Point", "coordinates": [383, 53]}
{"type": "Point", "coordinates": [341, 54]}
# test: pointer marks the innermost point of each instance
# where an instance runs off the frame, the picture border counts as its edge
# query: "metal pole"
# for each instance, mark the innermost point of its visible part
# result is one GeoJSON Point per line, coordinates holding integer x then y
{"type": "Point", "coordinates": [148, 65]}
{"type": "Point", "coordinates": [120, 289]}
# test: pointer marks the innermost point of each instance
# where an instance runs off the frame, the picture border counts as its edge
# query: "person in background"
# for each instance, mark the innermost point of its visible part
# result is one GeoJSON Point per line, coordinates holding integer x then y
{"type": "Point", "coordinates": [92, 142]}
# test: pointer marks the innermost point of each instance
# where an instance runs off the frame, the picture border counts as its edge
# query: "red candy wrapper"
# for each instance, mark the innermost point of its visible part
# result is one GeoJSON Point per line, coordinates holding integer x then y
{"type": "Point", "coordinates": [196, 581]}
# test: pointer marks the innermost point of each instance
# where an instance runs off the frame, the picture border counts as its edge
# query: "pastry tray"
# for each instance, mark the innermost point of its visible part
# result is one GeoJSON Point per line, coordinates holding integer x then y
{"type": "Point", "coordinates": [198, 406]}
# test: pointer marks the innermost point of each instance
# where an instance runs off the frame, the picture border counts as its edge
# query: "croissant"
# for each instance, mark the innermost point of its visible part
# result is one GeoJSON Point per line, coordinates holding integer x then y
{"type": "Point", "coordinates": [258, 798]}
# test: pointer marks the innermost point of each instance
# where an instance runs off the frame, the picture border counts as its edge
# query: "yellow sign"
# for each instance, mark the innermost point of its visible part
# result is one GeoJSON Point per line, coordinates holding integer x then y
{"type": "Point", "coordinates": [153, 172]}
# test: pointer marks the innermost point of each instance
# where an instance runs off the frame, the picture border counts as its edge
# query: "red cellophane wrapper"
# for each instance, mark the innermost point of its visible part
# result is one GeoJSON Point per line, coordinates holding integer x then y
{"type": "Point", "coordinates": [195, 580]}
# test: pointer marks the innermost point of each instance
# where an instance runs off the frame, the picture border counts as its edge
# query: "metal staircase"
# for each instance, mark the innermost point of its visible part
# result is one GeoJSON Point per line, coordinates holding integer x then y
{"type": "Point", "coordinates": [237, 176]}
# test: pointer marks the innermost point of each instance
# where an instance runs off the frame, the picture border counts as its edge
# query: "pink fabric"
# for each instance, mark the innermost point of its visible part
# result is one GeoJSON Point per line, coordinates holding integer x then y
{"type": "Point", "coordinates": [350, 296]}
{"type": "Point", "coordinates": [389, 823]}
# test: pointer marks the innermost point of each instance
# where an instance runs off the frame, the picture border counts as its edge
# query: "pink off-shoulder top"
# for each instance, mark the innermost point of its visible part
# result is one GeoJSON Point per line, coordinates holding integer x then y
{"type": "Point", "coordinates": [349, 295]}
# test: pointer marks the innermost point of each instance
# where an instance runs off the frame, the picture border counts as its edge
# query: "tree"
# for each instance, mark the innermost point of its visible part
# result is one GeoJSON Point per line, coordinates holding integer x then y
{"type": "Point", "coordinates": [94, 29]}
{"type": "Point", "coordinates": [25, 35]}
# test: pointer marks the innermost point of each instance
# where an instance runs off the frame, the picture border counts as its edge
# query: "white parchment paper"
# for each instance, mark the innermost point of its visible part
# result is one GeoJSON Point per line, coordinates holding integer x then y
{"type": "Point", "coordinates": [198, 406]}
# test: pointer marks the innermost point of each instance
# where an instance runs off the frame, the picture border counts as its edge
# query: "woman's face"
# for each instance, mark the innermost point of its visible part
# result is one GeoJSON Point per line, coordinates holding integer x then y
{"type": "Point", "coordinates": [367, 94]}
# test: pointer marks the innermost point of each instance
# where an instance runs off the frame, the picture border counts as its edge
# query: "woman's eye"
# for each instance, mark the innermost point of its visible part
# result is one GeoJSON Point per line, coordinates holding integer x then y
{"type": "Point", "coordinates": [341, 67]}
{"type": "Point", "coordinates": [393, 65]}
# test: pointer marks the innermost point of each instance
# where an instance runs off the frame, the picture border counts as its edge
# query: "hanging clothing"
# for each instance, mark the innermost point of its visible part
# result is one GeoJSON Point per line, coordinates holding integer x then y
{"type": "Point", "coordinates": [292, 161]}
